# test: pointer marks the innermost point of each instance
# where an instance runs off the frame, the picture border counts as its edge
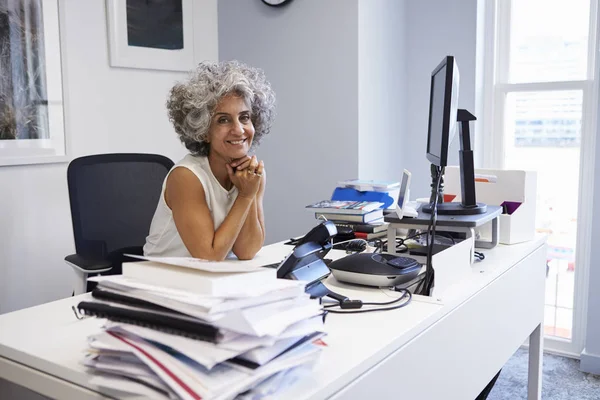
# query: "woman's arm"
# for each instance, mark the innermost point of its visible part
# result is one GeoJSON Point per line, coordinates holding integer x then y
{"type": "Point", "coordinates": [252, 235]}
{"type": "Point", "coordinates": [185, 196]}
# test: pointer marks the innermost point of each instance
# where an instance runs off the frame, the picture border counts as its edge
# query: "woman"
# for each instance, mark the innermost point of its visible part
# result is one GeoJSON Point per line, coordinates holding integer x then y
{"type": "Point", "coordinates": [212, 200]}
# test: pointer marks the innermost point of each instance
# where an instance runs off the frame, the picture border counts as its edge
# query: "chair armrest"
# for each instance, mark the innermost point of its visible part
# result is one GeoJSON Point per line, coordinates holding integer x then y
{"type": "Point", "coordinates": [87, 265]}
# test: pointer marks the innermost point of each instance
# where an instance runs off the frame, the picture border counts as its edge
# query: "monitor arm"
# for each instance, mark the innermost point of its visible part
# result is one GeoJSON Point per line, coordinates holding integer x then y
{"type": "Point", "coordinates": [467, 169]}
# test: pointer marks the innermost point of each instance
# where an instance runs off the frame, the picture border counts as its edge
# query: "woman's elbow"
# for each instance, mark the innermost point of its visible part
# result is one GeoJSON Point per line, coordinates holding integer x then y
{"type": "Point", "coordinates": [245, 254]}
{"type": "Point", "coordinates": [209, 256]}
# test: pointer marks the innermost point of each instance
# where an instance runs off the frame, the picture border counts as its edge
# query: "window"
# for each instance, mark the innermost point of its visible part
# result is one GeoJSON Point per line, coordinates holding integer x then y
{"type": "Point", "coordinates": [539, 108]}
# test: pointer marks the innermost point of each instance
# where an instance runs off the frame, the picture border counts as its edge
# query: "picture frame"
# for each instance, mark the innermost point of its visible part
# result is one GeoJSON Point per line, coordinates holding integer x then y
{"type": "Point", "coordinates": [32, 90]}
{"type": "Point", "coordinates": [150, 34]}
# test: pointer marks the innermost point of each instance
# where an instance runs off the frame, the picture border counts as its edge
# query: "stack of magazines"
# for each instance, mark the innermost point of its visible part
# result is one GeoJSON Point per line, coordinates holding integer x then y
{"type": "Point", "coordinates": [185, 329]}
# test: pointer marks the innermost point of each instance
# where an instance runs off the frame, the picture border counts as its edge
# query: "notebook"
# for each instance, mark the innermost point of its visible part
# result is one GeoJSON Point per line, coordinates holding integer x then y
{"type": "Point", "coordinates": [101, 294]}
{"type": "Point", "coordinates": [194, 280]}
{"type": "Point", "coordinates": [170, 322]}
{"type": "Point", "coordinates": [364, 218]}
{"type": "Point", "coordinates": [205, 308]}
{"type": "Point", "coordinates": [372, 227]}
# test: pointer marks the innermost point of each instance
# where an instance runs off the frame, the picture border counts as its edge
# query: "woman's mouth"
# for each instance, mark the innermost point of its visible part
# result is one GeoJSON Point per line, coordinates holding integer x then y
{"type": "Point", "coordinates": [235, 142]}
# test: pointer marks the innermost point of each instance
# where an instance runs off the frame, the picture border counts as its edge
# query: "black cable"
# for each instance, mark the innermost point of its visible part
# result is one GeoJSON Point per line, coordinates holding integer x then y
{"type": "Point", "coordinates": [430, 272]}
{"type": "Point", "coordinates": [382, 245]}
{"type": "Point", "coordinates": [479, 256]}
{"type": "Point", "coordinates": [404, 304]}
{"type": "Point", "coordinates": [378, 245]}
{"type": "Point", "coordinates": [356, 245]}
{"type": "Point", "coordinates": [366, 303]}
{"type": "Point", "coordinates": [402, 241]}
{"type": "Point", "coordinates": [427, 284]}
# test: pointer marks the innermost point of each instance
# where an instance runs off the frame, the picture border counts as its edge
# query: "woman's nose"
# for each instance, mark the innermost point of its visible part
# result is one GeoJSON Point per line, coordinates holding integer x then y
{"type": "Point", "coordinates": [238, 128]}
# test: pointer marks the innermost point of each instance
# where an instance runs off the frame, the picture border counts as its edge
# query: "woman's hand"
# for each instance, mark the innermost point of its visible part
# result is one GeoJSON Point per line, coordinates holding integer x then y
{"type": "Point", "coordinates": [244, 163]}
{"type": "Point", "coordinates": [248, 179]}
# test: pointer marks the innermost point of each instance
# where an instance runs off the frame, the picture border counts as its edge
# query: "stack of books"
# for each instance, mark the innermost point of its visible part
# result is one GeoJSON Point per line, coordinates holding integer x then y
{"type": "Point", "coordinates": [187, 328]}
{"type": "Point", "coordinates": [354, 219]}
{"type": "Point", "coordinates": [348, 211]}
{"type": "Point", "coordinates": [357, 208]}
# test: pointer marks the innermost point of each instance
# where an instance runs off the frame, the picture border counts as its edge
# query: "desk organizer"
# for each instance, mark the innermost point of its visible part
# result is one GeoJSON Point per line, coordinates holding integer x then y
{"type": "Point", "coordinates": [514, 190]}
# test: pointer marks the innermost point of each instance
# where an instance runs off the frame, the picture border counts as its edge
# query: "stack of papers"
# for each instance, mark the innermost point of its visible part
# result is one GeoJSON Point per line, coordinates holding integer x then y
{"type": "Point", "coordinates": [164, 342]}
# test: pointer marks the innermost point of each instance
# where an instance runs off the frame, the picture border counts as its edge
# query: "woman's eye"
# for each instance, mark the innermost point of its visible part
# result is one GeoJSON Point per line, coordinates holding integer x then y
{"type": "Point", "coordinates": [222, 120]}
{"type": "Point", "coordinates": [245, 118]}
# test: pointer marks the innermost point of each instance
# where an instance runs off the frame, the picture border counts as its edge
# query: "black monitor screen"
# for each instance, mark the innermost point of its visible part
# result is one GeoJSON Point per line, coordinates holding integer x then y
{"type": "Point", "coordinates": [436, 123]}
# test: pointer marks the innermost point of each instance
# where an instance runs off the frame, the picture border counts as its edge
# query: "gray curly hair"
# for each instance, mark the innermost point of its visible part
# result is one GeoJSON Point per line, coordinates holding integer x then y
{"type": "Point", "coordinates": [191, 104]}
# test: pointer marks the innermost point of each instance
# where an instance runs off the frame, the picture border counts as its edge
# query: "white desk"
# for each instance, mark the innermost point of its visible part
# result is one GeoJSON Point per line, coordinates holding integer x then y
{"type": "Point", "coordinates": [432, 349]}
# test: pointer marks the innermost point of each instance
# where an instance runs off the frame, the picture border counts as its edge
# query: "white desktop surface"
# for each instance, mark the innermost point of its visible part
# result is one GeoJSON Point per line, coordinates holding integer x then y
{"type": "Point", "coordinates": [42, 347]}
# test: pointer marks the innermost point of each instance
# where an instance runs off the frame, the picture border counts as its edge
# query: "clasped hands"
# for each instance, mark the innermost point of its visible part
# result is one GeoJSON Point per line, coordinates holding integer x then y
{"type": "Point", "coordinates": [246, 173]}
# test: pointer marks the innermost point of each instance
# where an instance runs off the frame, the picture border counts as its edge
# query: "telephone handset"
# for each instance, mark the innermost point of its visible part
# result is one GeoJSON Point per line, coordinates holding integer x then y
{"type": "Point", "coordinates": [305, 262]}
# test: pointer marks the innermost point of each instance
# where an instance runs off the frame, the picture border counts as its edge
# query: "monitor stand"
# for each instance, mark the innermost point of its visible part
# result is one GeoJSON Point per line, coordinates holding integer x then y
{"type": "Point", "coordinates": [468, 204]}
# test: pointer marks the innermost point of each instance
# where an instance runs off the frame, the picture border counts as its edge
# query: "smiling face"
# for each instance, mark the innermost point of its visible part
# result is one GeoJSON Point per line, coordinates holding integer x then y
{"type": "Point", "coordinates": [231, 129]}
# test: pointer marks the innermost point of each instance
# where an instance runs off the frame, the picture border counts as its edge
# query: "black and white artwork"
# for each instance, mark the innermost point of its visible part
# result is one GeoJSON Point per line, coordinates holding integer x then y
{"type": "Point", "coordinates": [23, 89]}
{"type": "Point", "coordinates": [32, 128]}
{"type": "Point", "coordinates": [156, 24]}
{"type": "Point", "coordinates": [151, 34]}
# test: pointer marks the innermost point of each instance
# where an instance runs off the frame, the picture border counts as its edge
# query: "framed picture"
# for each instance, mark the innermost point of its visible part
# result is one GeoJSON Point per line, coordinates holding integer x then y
{"type": "Point", "coordinates": [32, 123]}
{"type": "Point", "coordinates": [151, 34]}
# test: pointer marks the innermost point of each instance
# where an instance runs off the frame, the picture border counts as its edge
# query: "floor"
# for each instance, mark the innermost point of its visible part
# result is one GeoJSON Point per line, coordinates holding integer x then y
{"type": "Point", "coordinates": [561, 380]}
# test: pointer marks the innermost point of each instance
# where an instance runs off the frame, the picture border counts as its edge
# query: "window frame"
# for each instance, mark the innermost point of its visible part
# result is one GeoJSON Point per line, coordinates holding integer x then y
{"type": "Point", "coordinates": [496, 87]}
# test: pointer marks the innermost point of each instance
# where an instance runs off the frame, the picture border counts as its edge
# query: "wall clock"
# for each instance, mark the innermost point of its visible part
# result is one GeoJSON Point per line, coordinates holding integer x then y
{"type": "Point", "coordinates": [276, 3]}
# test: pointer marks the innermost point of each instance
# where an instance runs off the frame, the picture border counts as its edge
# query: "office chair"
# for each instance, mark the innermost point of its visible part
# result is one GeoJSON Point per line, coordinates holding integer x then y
{"type": "Point", "coordinates": [113, 198]}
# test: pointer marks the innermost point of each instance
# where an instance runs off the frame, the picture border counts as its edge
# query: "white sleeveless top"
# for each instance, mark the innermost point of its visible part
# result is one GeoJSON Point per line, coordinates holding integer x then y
{"type": "Point", "coordinates": [163, 239]}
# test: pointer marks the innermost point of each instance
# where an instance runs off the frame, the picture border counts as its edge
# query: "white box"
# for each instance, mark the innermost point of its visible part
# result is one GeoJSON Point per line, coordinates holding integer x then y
{"type": "Point", "coordinates": [509, 186]}
{"type": "Point", "coordinates": [452, 266]}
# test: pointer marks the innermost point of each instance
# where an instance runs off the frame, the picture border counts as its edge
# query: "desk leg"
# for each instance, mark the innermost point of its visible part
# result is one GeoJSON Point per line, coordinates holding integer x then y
{"type": "Point", "coordinates": [391, 239]}
{"type": "Point", "coordinates": [534, 380]}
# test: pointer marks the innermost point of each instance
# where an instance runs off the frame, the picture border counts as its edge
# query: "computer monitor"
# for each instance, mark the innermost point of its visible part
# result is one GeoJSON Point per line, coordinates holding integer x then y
{"type": "Point", "coordinates": [444, 120]}
{"type": "Point", "coordinates": [443, 106]}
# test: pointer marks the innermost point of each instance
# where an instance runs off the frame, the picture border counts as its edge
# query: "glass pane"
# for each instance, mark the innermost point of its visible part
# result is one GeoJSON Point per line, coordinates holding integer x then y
{"type": "Point", "coordinates": [549, 40]}
{"type": "Point", "coordinates": [564, 322]}
{"type": "Point", "coordinates": [543, 133]}
{"type": "Point", "coordinates": [549, 320]}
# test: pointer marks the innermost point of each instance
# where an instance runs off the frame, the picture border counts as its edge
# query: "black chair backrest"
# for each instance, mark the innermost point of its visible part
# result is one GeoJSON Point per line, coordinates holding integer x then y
{"type": "Point", "coordinates": [113, 199]}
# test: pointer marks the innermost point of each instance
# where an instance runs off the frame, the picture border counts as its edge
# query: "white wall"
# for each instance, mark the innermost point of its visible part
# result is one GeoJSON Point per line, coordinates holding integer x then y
{"type": "Point", "coordinates": [111, 110]}
{"type": "Point", "coordinates": [435, 29]}
{"type": "Point", "coordinates": [382, 98]}
{"type": "Point", "coordinates": [308, 50]}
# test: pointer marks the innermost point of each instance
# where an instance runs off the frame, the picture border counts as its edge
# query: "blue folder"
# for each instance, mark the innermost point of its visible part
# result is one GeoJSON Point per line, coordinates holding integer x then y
{"type": "Point", "coordinates": [349, 194]}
